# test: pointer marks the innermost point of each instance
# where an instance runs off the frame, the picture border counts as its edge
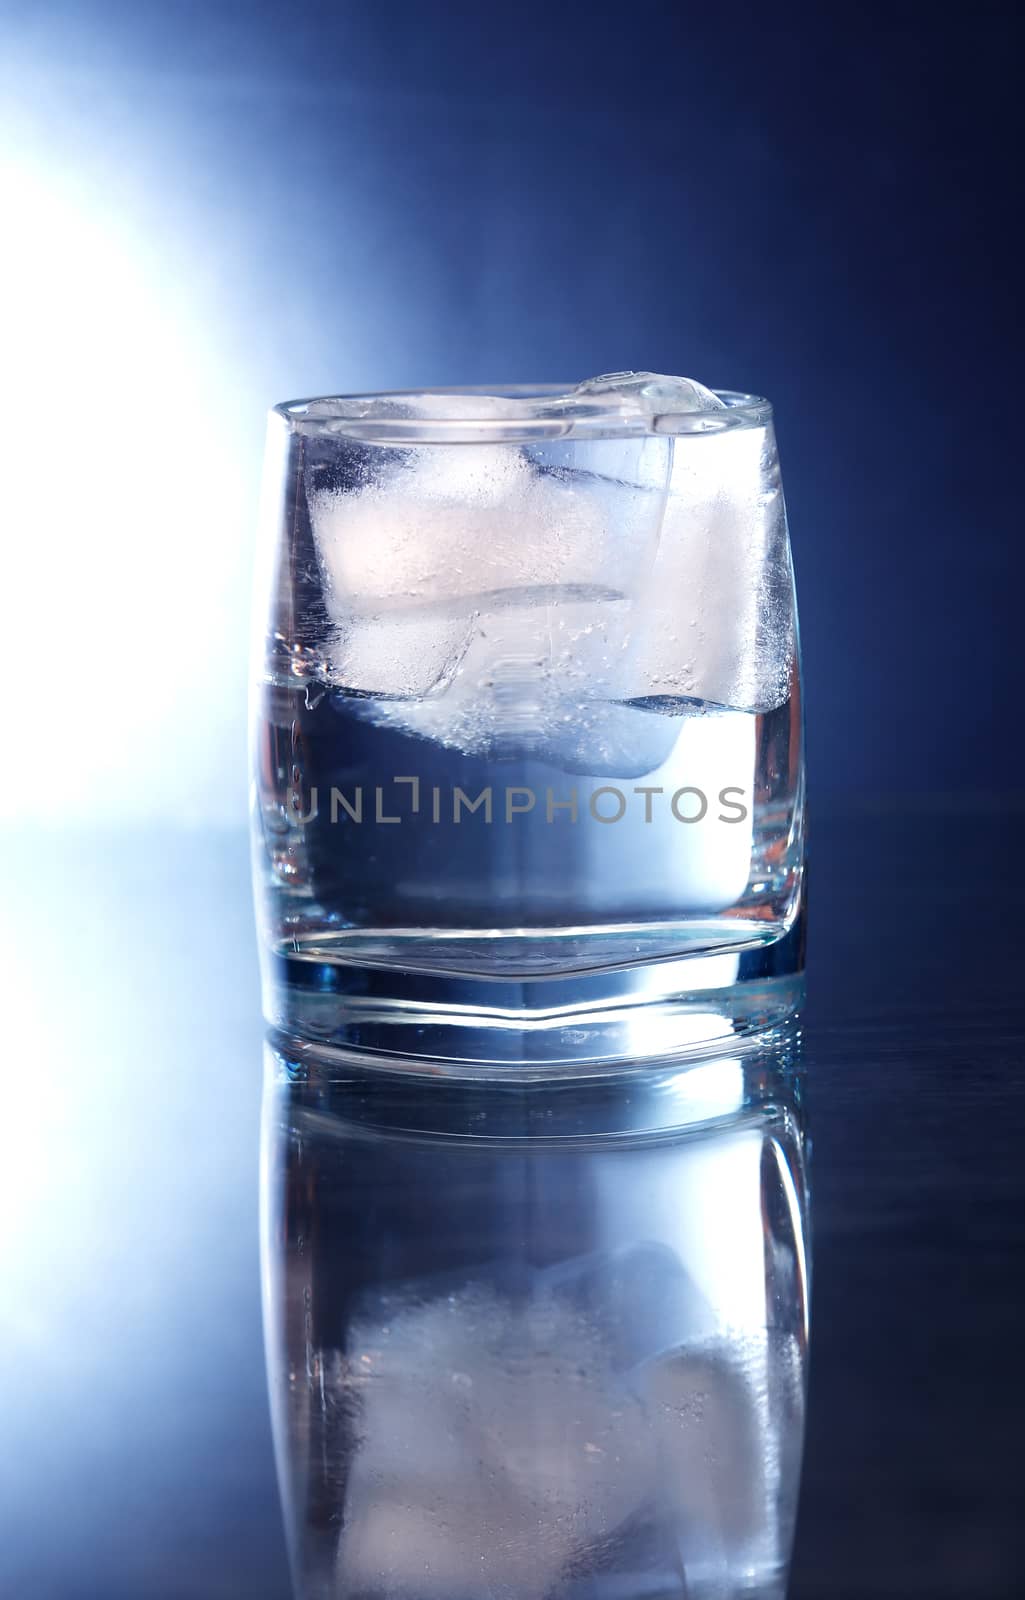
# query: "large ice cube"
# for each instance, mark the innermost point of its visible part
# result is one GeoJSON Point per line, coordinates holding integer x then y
{"type": "Point", "coordinates": [536, 676]}
{"type": "Point", "coordinates": [715, 619]}
{"type": "Point", "coordinates": [653, 396]}
{"type": "Point", "coordinates": [453, 522]}
{"type": "Point", "coordinates": [493, 591]}
{"type": "Point", "coordinates": [502, 580]}
{"type": "Point", "coordinates": [408, 559]}
{"type": "Point", "coordinates": [401, 655]}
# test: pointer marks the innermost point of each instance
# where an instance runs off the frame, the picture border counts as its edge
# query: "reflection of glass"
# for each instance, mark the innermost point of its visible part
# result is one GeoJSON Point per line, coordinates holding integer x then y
{"type": "Point", "coordinates": [527, 728]}
{"type": "Point", "coordinates": [537, 1341]}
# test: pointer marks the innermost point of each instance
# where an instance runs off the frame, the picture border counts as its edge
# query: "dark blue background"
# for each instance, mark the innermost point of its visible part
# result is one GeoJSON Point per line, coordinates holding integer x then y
{"type": "Point", "coordinates": [817, 205]}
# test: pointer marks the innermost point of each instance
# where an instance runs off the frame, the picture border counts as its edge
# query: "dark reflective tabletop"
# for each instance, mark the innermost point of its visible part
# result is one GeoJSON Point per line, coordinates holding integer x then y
{"type": "Point", "coordinates": [135, 1450]}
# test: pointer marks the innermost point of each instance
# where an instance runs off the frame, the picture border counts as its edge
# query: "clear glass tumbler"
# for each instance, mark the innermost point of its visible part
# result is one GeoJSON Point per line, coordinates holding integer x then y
{"type": "Point", "coordinates": [527, 737]}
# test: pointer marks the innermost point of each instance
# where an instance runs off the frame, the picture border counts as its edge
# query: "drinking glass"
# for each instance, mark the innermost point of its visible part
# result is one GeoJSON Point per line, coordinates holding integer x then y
{"type": "Point", "coordinates": [527, 779]}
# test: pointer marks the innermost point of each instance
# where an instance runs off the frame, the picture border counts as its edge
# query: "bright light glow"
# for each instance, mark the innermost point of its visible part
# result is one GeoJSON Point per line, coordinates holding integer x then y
{"type": "Point", "coordinates": [656, 1031]}
{"type": "Point", "coordinates": [127, 499]}
{"type": "Point", "coordinates": [711, 1089]}
{"type": "Point", "coordinates": [704, 1203]}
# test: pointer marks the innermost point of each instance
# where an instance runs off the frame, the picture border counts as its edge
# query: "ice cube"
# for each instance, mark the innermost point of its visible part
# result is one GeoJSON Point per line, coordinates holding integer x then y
{"type": "Point", "coordinates": [537, 660]}
{"type": "Point", "coordinates": [450, 522]}
{"type": "Point", "coordinates": [715, 618]}
{"type": "Point", "coordinates": [495, 591]}
{"type": "Point", "coordinates": [396, 655]}
{"type": "Point", "coordinates": [654, 396]}
{"type": "Point", "coordinates": [410, 562]}
{"type": "Point", "coordinates": [504, 579]}
{"type": "Point", "coordinates": [434, 526]}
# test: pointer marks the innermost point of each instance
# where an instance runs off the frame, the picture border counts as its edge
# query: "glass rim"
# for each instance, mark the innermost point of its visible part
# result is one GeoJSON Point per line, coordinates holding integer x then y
{"type": "Point", "coordinates": [383, 416]}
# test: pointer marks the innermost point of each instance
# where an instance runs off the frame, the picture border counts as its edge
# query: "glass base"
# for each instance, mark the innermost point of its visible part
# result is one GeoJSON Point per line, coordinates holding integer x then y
{"type": "Point", "coordinates": [568, 1024]}
{"type": "Point", "coordinates": [749, 1074]}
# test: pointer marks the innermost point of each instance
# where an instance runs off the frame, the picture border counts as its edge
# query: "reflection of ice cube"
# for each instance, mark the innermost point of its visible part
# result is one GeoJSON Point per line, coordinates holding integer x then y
{"type": "Point", "coordinates": [716, 617]}
{"type": "Point", "coordinates": [505, 1442]}
{"type": "Point", "coordinates": [495, 1443]}
{"type": "Point", "coordinates": [721, 1385]}
{"type": "Point", "coordinates": [718, 1442]}
{"type": "Point", "coordinates": [640, 1294]}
